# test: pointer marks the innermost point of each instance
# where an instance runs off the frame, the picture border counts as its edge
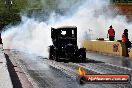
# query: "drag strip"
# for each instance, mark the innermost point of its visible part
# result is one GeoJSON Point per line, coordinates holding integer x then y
{"type": "Point", "coordinates": [46, 73]}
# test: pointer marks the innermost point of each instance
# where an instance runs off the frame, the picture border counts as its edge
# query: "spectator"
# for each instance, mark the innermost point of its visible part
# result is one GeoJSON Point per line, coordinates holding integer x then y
{"type": "Point", "coordinates": [111, 33]}
{"type": "Point", "coordinates": [126, 41]}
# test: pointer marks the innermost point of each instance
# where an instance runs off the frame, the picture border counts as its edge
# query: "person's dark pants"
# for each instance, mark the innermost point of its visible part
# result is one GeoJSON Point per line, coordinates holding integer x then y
{"type": "Point", "coordinates": [127, 55]}
{"type": "Point", "coordinates": [128, 45]}
{"type": "Point", "coordinates": [111, 38]}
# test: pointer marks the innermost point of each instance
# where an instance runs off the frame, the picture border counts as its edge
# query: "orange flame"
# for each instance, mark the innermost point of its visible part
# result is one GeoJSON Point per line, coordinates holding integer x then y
{"type": "Point", "coordinates": [82, 72]}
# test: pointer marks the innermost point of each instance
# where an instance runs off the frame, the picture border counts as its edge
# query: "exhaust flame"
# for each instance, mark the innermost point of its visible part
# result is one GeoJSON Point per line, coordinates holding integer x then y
{"type": "Point", "coordinates": [81, 71]}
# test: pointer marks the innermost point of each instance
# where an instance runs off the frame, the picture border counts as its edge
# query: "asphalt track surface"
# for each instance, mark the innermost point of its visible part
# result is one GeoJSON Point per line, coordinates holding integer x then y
{"type": "Point", "coordinates": [44, 73]}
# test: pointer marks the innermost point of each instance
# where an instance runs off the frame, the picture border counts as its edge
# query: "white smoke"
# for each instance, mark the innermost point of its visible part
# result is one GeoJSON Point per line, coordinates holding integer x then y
{"type": "Point", "coordinates": [35, 36]}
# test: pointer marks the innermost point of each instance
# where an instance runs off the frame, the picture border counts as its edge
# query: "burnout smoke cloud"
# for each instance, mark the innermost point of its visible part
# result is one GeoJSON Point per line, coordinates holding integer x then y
{"type": "Point", "coordinates": [88, 16]}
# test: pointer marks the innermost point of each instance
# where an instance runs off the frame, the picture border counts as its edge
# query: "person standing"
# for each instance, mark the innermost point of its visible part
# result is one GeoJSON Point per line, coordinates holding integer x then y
{"type": "Point", "coordinates": [125, 36]}
{"type": "Point", "coordinates": [126, 41]}
{"type": "Point", "coordinates": [111, 33]}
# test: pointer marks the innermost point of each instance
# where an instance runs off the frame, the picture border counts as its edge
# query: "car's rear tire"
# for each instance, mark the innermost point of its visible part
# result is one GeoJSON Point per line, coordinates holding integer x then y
{"type": "Point", "coordinates": [51, 50]}
{"type": "Point", "coordinates": [56, 56]}
{"type": "Point", "coordinates": [82, 55]}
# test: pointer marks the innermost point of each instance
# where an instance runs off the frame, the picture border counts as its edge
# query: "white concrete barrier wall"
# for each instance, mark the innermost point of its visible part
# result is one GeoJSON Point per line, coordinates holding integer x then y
{"type": "Point", "coordinates": [5, 80]}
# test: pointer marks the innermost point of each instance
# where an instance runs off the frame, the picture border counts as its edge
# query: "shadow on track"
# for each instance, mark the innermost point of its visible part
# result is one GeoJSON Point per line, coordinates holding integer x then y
{"type": "Point", "coordinates": [14, 77]}
{"type": "Point", "coordinates": [92, 61]}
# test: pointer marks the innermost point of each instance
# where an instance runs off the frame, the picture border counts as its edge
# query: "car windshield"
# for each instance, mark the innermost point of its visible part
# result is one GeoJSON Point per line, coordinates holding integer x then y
{"type": "Point", "coordinates": [69, 33]}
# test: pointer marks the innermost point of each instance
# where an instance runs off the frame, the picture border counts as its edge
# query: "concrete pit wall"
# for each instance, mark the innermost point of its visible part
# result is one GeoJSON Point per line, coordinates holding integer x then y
{"type": "Point", "coordinates": [108, 47]}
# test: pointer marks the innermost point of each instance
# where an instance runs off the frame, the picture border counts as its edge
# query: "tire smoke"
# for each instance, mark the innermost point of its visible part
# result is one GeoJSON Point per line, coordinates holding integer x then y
{"type": "Point", "coordinates": [92, 18]}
